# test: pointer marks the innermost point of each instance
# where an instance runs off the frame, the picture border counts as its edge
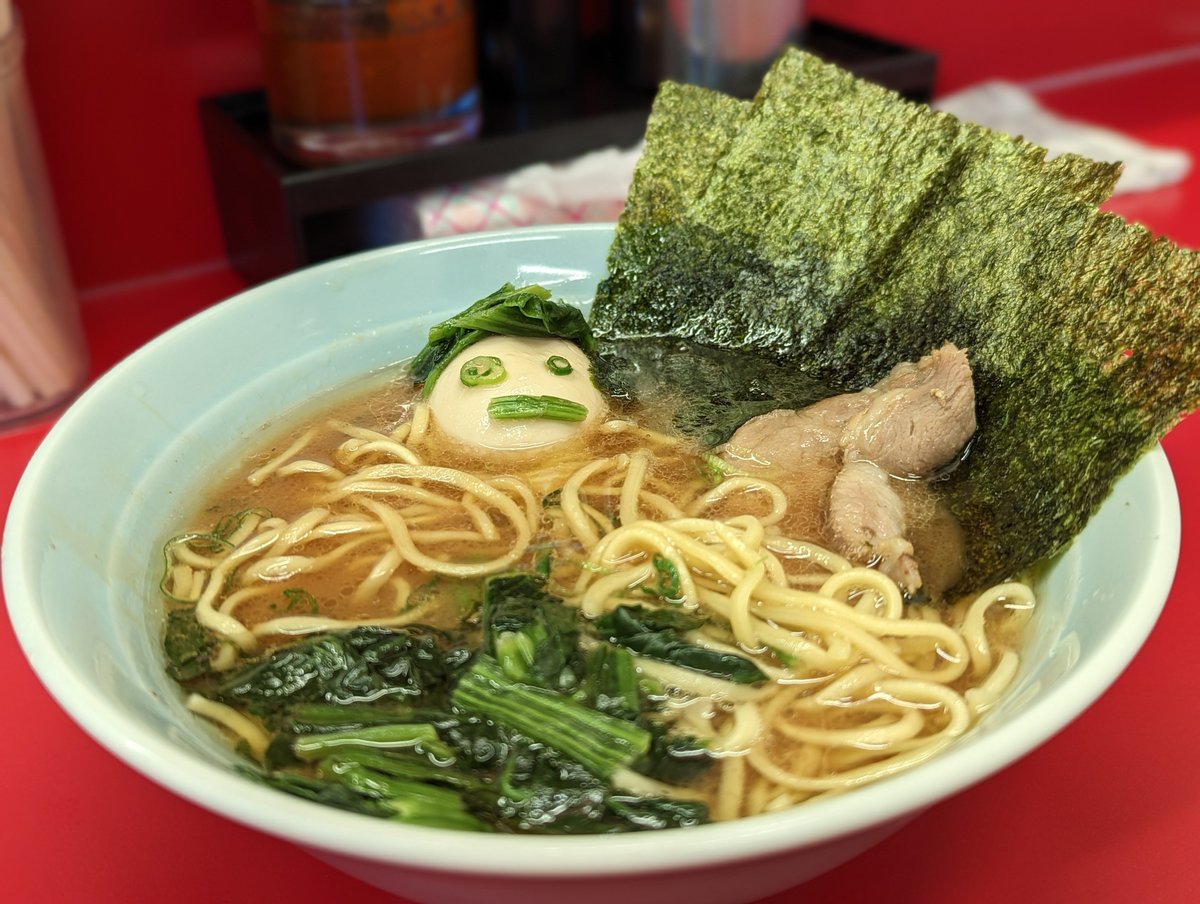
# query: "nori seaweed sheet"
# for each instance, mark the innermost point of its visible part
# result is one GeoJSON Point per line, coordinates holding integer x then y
{"type": "Point", "coordinates": [803, 243]}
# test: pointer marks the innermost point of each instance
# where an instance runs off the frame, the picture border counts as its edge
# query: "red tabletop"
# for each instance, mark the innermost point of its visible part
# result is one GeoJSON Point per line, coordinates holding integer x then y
{"type": "Point", "coordinates": [1108, 811]}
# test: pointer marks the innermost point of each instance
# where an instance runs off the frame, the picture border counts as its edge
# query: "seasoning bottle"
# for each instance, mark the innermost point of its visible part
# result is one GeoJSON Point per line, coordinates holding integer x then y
{"type": "Point", "coordinates": [355, 79]}
{"type": "Point", "coordinates": [43, 357]}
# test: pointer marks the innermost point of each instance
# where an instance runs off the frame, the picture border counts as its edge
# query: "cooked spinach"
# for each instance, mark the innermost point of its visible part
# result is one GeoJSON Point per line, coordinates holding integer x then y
{"type": "Point", "coordinates": [657, 634]}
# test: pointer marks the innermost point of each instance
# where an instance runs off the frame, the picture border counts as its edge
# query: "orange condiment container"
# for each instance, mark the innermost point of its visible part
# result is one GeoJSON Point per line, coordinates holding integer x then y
{"type": "Point", "coordinates": [348, 79]}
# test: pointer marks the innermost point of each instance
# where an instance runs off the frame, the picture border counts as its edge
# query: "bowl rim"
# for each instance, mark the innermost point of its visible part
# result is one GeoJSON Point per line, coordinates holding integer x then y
{"type": "Point", "coordinates": [218, 789]}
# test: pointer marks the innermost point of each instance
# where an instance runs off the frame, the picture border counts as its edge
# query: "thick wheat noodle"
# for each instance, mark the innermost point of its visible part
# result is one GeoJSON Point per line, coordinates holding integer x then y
{"type": "Point", "coordinates": [984, 695]}
{"type": "Point", "coordinates": [308, 466]}
{"type": "Point", "coordinates": [731, 790]}
{"type": "Point", "coordinates": [737, 484]}
{"type": "Point", "coordinates": [257, 476]}
{"type": "Point", "coordinates": [865, 633]}
{"type": "Point", "coordinates": [297, 531]}
{"type": "Point", "coordinates": [184, 554]}
{"type": "Point", "coordinates": [837, 654]}
{"type": "Point", "coordinates": [668, 540]}
{"type": "Point", "coordinates": [312, 624]}
{"type": "Point", "coordinates": [973, 622]}
{"type": "Point", "coordinates": [807, 552]}
{"type": "Point", "coordinates": [597, 518]}
{"type": "Point", "coordinates": [484, 526]}
{"type": "Point", "coordinates": [880, 733]}
{"type": "Point", "coordinates": [242, 726]}
{"type": "Point", "coordinates": [420, 423]}
{"type": "Point", "coordinates": [642, 536]}
{"type": "Point", "coordinates": [404, 543]}
{"type": "Point", "coordinates": [353, 486]}
{"type": "Point", "coordinates": [381, 572]}
{"type": "Point", "coordinates": [740, 619]}
{"type": "Point", "coordinates": [533, 507]}
{"type": "Point", "coordinates": [218, 622]}
{"type": "Point", "coordinates": [626, 779]}
{"type": "Point", "coordinates": [959, 720]}
{"type": "Point", "coordinates": [743, 537]}
{"type": "Point", "coordinates": [609, 591]}
{"type": "Point", "coordinates": [356, 432]}
{"type": "Point", "coordinates": [577, 519]}
{"type": "Point", "coordinates": [843, 584]}
{"type": "Point", "coordinates": [277, 568]}
{"type": "Point", "coordinates": [346, 525]}
{"type": "Point", "coordinates": [631, 487]}
{"type": "Point", "coordinates": [383, 445]}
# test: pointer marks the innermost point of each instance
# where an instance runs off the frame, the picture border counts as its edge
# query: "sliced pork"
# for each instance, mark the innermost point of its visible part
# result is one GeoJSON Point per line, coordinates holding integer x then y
{"type": "Point", "coordinates": [918, 418]}
{"type": "Point", "coordinates": [867, 523]}
{"type": "Point", "coordinates": [913, 422]}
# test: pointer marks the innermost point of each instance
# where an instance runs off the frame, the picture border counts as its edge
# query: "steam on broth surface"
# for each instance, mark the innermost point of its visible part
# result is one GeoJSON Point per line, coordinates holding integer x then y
{"type": "Point", "coordinates": [762, 669]}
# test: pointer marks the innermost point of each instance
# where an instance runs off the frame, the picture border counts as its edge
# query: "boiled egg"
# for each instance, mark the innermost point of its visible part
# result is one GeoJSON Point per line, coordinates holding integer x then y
{"type": "Point", "coordinates": [499, 367]}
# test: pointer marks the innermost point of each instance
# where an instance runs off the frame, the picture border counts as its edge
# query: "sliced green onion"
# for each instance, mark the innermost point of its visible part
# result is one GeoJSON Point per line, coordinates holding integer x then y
{"type": "Point", "coordinates": [550, 408]}
{"type": "Point", "coordinates": [558, 365]}
{"type": "Point", "coordinates": [482, 370]}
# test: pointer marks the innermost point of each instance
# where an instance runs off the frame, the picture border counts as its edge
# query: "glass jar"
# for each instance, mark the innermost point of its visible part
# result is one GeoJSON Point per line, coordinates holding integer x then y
{"type": "Point", "coordinates": [43, 356]}
{"type": "Point", "coordinates": [354, 79]}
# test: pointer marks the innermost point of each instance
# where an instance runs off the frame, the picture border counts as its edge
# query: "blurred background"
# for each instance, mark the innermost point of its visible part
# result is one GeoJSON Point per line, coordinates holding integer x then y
{"type": "Point", "coordinates": [115, 88]}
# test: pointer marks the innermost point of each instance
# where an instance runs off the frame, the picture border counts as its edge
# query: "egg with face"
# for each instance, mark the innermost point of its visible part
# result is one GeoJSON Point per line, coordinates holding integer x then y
{"type": "Point", "coordinates": [512, 394]}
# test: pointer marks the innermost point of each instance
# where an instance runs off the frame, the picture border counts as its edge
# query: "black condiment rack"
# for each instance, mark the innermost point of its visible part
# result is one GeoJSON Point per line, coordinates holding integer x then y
{"type": "Point", "coordinates": [277, 216]}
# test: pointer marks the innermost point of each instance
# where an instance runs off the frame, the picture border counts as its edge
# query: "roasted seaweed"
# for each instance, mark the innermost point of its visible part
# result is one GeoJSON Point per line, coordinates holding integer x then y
{"type": "Point", "coordinates": [831, 228]}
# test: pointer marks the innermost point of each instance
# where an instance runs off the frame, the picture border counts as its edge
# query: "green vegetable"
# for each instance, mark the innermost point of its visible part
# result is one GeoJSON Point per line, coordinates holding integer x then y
{"type": "Point", "coordinates": [509, 311]}
{"type": "Point", "coordinates": [299, 598]}
{"type": "Point", "coordinates": [659, 812]}
{"type": "Point", "coordinates": [396, 736]}
{"type": "Point", "coordinates": [531, 633]}
{"type": "Point", "coordinates": [831, 229]}
{"type": "Point", "coordinates": [406, 765]}
{"type": "Point", "coordinates": [411, 665]}
{"type": "Point", "coordinates": [415, 803]}
{"type": "Point", "coordinates": [667, 586]}
{"type": "Point", "coordinates": [656, 634]}
{"type": "Point", "coordinates": [482, 370]}
{"type": "Point", "coordinates": [558, 365]}
{"type": "Point", "coordinates": [551, 408]}
{"type": "Point", "coordinates": [598, 742]}
{"type": "Point", "coordinates": [612, 682]}
{"type": "Point", "coordinates": [188, 646]}
{"type": "Point", "coordinates": [330, 794]}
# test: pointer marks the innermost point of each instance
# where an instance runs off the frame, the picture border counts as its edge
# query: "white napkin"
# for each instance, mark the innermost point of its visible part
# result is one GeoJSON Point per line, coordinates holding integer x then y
{"type": "Point", "coordinates": [1010, 108]}
{"type": "Point", "coordinates": [588, 189]}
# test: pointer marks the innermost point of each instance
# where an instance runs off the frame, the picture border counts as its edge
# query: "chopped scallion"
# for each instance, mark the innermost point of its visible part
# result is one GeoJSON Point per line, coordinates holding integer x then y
{"type": "Point", "coordinates": [550, 408]}
{"type": "Point", "coordinates": [558, 365]}
{"type": "Point", "coordinates": [482, 370]}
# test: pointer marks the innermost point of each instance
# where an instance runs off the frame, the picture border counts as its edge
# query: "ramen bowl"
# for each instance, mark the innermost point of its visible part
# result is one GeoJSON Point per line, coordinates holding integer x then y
{"type": "Point", "coordinates": [126, 463]}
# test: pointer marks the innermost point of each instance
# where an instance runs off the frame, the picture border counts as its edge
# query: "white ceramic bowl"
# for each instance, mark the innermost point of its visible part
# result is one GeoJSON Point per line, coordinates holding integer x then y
{"type": "Point", "coordinates": [124, 463]}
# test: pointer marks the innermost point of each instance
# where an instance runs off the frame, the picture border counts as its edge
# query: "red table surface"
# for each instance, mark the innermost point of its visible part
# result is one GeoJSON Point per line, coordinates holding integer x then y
{"type": "Point", "coordinates": [1107, 811]}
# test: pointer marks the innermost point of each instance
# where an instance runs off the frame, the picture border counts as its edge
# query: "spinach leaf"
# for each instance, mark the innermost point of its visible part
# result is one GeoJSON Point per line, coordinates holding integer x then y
{"type": "Point", "coordinates": [509, 311]}
{"type": "Point", "coordinates": [656, 634]}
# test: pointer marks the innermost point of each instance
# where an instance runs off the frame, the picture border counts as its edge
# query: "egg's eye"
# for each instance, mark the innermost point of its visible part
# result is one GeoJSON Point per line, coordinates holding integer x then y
{"type": "Point", "coordinates": [558, 365]}
{"type": "Point", "coordinates": [482, 370]}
